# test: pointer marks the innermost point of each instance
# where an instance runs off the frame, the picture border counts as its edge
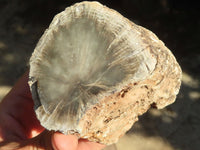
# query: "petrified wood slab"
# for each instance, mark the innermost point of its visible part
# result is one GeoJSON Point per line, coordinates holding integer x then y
{"type": "Point", "coordinates": [93, 72]}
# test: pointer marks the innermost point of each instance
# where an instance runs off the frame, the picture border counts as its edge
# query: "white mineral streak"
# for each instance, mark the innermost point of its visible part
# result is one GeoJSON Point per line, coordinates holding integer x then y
{"type": "Point", "coordinates": [96, 72]}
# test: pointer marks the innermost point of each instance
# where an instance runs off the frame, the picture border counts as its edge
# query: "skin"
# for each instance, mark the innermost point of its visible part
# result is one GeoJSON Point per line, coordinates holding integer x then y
{"type": "Point", "coordinates": [20, 129]}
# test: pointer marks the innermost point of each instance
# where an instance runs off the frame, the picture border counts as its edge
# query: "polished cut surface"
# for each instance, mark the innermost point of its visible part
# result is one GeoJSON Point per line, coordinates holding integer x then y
{"type": "Point", "coordinates": [93, 72]}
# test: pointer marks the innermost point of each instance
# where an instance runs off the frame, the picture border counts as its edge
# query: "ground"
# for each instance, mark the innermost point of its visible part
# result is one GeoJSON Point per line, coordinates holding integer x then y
{"type": "Point", "coordinates": [176, 127]}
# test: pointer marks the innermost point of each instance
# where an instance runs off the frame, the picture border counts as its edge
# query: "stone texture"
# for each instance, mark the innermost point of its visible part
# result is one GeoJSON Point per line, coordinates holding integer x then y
{"type": "Point", "coordinates": [115, 114]}
{"type": "Point", "coordinates": [143, 73]}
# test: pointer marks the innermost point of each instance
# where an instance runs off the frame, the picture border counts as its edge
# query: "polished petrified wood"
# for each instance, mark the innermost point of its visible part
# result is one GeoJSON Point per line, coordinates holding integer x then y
{"type": "Point", "coordinates": [93, 72]}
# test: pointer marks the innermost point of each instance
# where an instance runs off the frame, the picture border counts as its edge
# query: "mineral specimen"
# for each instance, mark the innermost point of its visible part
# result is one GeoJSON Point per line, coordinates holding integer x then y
{"type": "Point", "coordinates": [93, 72]}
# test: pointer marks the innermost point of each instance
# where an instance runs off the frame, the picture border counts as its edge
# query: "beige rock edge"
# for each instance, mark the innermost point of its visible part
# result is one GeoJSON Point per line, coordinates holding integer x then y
{"type": "Point", "coordinates": [106, 120]}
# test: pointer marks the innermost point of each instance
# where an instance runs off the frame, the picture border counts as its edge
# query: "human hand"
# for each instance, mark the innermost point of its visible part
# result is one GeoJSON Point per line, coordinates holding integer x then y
{"type": "Point", "coordinates": [20, 129]}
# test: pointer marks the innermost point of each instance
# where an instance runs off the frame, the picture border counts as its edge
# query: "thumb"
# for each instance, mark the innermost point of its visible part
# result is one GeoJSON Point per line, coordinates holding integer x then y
{"type": "Point", "coordinates": [45, 141]}
{"type": "Point", "coordinates": [40, 142]}
{"type": "Point", "coordinates": [64, 142]}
